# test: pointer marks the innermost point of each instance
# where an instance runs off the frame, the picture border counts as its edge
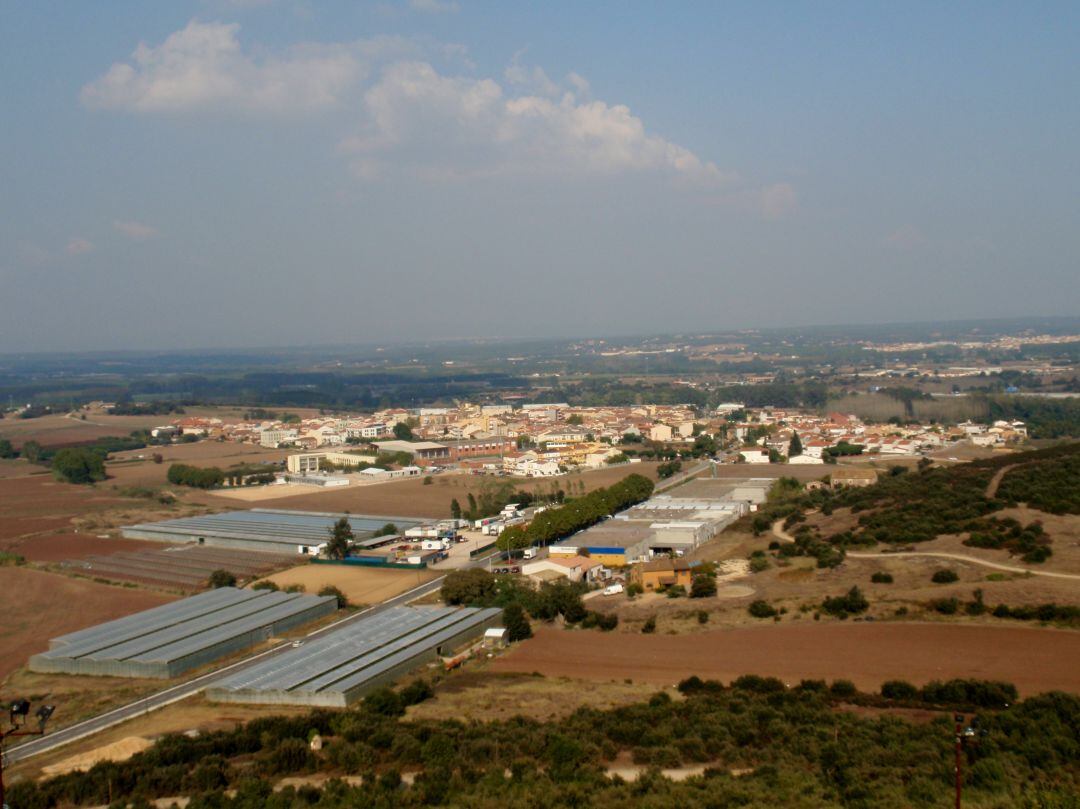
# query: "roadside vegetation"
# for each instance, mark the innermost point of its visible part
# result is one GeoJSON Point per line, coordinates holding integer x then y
{"type": "Point", "coordinates": [795, 747]}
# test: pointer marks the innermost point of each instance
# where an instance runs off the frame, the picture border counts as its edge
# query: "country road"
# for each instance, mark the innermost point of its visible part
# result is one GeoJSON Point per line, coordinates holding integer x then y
{"type": "Point", "coordinates": [189, 688]}
{"type": "Point", "coordinates": [779, 532]}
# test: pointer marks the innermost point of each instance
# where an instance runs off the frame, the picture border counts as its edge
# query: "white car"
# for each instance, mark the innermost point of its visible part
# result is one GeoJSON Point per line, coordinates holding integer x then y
{"type": "Point", "coordinates": [613, 589]}
{"type": "Point", "coordinates": [296, 644]}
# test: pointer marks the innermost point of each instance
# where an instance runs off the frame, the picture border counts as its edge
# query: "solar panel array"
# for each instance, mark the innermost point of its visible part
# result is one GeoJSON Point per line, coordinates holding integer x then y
{"type": "Point", "coordinates": [338, 668]}
{"type": "Point", "coordinates": [267, 528]}
{"type": "Point", "coordinates": [168, 640]}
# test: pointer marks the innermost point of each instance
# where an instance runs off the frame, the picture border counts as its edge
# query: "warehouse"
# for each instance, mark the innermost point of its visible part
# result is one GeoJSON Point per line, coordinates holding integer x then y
{"type": "Point", "coordinates": [279, 531]}
{"type": "Point", "coordinates": [340, 667]}
{"type": "Point", "coordinates": [174, 638]}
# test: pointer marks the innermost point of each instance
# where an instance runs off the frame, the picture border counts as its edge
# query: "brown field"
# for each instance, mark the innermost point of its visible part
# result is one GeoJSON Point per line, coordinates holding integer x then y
{"type": "Point", "coordinates": [37, 606]}
{"type": "Point", "coordinates": [61, 546]}
{"type": "Point", "coordinates": [413, 498]}
{"type": "Point", "coordinates": [1035, 660]}
{"type": "Point", "coordinates": [361, 585]}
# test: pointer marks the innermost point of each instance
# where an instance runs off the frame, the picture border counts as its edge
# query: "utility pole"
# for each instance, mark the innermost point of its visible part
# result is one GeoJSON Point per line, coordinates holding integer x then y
{"type": "Point", "coordinates": [20, 709]}
{"type": "Point", "coordinates": [959, 750]}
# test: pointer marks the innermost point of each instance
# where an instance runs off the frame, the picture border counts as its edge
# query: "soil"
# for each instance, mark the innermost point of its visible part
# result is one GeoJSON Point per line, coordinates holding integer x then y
{"type": "Point", "coordinates": [61, 546]}
{"type": "Point", "coordinates": [361, 585]}
{"type": "Point", "coordinates": [38, 606]}
{"type": "Point", "coordinates": [1035, 660]}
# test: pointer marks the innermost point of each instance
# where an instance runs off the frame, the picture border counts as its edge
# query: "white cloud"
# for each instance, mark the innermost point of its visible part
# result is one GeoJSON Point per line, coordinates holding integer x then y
{"type": "Point", "coordinates": [203, 66]}
{"type": "Point", "coordinates": [434, 6]}
{"type": "Point", "coordinates": [454, 126]}
{"type": "Point", "coordinates": [135, 230]}
{"type": "Point", "coordinates": [78, 247]}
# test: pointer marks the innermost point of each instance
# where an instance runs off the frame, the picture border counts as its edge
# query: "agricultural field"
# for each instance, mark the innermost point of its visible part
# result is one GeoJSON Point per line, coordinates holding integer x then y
{"type": "Point", "coordinates": [413, 498]}
{"type": "Point", "coordinates": [1035, 660]}
{"type": "Point", "coordinates": [38, 605]}
{"type": "Point", "coordinates": [361, 585]}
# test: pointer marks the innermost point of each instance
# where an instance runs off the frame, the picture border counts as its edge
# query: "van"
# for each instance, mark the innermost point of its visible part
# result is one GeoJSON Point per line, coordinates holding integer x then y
{"type": "Point", "coordinates": [613, 589]}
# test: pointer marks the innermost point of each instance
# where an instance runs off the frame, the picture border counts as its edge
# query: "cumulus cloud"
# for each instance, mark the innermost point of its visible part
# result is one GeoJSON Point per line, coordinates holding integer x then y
{"type": "Point", "coordinates": [203, 66]}
{"type": "Point", "coordinates": [435, 6]}
{"type": "Point", "coordinates": [78, 247]}
{"type": "Point", "coordinates": [777, 200]}
{"type": "Point", "coordinates": [135, 230]}
{"type": "Point", "coordinates": [453, 126]}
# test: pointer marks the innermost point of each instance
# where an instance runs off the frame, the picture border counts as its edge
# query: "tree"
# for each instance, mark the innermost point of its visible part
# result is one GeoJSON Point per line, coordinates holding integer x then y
{"type": "Point", "coordinates": [455, 509]}
{"type": "Point", "coordinates": [703, 586]}
{"type": "Point", "coordinates": [795, 447]}
{"type": "Point", "coordinates": [516, 624]}
{"type": "Point", "coordinates": [341, 537]}
{"type": "Point", "coordinates": [331, 590]}
{"type": "Point", "coordinates": [576, 420]}
{"type": "Point", "coordinates": [472, 587]}
{"type": "Point", "coordinates": [403, 432]}
{"type": "Point", "coordinates": [78, 465]}
{"type": "Point", "coordinates": [472, 506]}
{"type": "Point", "coordinates": [222, 578]}
{"type": "Point", "coordinates": [31, 450]}
{"type": "Point", "coordinates": [6, 450]}
{"type": "Point", "coordinates": [512, 538]}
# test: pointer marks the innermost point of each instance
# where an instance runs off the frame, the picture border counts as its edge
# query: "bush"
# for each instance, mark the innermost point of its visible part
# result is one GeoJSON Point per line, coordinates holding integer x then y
{"type": "Point", "coordinates": [634, 589]}
{"type": "Point", "coordinates": [675, 591]}
{"type": "Point", "coordinates": [703, 586]}
{"type": "Point", "coordinates": [944, 576]}
{"type": "Point", "coordinates": [330, 590]}
{"type": "Point", "coordinates": [881, 578]}
{"type": "Point", "coordinates": [761, 609]}
{"type": "Point", "coordinates": [265, 584]}
{"type": "Point", "coordinates": [843, 689]}
{"type": "Point", "coordinates": [702, 617]}
{"type": "Point", "coordinates": [649, 626]}
{"type": "Point", "coordinates": [851, 603]}
{"type": "Point", "coordinates": [758, 564]}
{"type": "Point", "coordinates": [222, 578]}
{"type": "Point", "coordinates": [899, 690]}
{"type": "Point", "coordinates": [945, 606]}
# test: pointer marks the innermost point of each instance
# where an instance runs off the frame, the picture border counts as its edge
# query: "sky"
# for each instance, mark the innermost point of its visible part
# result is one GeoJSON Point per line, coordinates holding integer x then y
{"type": "Point", "coordinates": [236, 173]}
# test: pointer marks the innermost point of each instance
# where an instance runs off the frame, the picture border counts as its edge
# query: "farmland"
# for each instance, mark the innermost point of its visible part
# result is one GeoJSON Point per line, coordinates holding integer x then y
{"type": "Point", "coordinates": [38, 605]}
{"type": "Point", "coordinates": [1035, 660]}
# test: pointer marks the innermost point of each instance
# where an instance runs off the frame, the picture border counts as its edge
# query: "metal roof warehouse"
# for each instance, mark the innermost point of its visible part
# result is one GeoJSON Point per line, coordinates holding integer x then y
{"type": "Point", "coordinates": [273, 530]}
{"type": "Point", "coordinates": [173, 638]}
{"type": "Point", "coordinates": [344, 664]}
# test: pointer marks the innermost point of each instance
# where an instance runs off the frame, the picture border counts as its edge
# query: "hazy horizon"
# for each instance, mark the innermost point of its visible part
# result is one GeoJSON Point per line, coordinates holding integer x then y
{"type": "Point", "coordinates": [229, 174]}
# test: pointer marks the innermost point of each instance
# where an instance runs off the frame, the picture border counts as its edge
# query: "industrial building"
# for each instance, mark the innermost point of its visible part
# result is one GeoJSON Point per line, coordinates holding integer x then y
{"type": "Point", "coordinates": [277, 531]}
{"type": "Point", "coordinates": [337, 669]}
{"type": "Point", "coordinates": [665, 524]}
{"type": "Point", "coordinates": [174, 638]}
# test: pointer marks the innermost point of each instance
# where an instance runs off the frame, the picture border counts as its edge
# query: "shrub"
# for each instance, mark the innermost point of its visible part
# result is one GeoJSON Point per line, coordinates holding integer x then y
{"type": "Point", "coordinates": [851, 603]}
{"type": "Point", "coordinates": [759, 685]}
{"type": "Point", "coordinates": [222, 578]}
{"type": "Point", "coordinates": [649, 626]}
{"type": "Point", "coordinates": [761, 609]}
{"type": "Point", "coordinates": [331, 590]}
{"type": "Point", "coordinates": [702, 617]}
{"type": "Point", "coordinates": [945, 606]}
{"type": "Point", "coordinates": [899, 689]}
{"type": "Point", "coordinates": [944, 576]}
{"type": "Point", "coordinates": [634, 589]}
{"type": "Point", "coordinates": [881, 578]}
{"type": "Point", "coordinates": [703, 586]}
{"type": "Point", "coordinates": [265, 584]}
{"type": "Point", "coordinates": [758, 564]}
{"type": "Point", "coordinates": [843, 689]}
{"type": "Point", "coordinates": [675, 591]}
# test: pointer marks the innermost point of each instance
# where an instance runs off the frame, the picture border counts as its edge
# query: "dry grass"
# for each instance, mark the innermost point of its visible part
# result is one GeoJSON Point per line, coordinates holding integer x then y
{"type": "Point", "coordinates": [361, 585]}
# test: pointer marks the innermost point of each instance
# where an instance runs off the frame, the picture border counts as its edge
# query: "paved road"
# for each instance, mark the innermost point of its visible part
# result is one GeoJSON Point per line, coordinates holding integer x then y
{"type": "Point", "coordinates": [784, 536]}
{"type": "Point", "coordinates": [189, 688]}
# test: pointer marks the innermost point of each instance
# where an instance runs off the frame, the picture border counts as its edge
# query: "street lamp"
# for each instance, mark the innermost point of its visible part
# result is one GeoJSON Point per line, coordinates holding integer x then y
{"type": "Point", "coordinates": [19, 713]}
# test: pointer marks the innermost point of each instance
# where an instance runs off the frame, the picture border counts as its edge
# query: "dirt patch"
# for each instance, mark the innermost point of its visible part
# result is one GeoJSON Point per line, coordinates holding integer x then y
{"type": "Point", "coordinates": [38, 606]}
{"type": "Point", "coordinates": [120, 750]}
{"type": "Point", "coordinates": [504, 696]}
{"type": "Point", "coordinates": [361, 585]}
{"type": "Point", "coordinates": [1035, 660]}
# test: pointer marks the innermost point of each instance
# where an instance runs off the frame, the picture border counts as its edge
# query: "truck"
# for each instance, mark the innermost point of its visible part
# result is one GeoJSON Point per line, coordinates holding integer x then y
{"type": "Point", "coordinates": [529, 553]}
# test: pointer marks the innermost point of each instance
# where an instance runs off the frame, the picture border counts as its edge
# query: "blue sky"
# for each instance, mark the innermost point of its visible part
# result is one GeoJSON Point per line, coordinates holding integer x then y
{"type": "Point", "coordinates": [246, 172]}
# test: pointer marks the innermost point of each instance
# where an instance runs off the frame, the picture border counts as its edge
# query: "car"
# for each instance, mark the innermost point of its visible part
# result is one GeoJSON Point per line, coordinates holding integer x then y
{"type": "Point", "coordinates": [296, 644]}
